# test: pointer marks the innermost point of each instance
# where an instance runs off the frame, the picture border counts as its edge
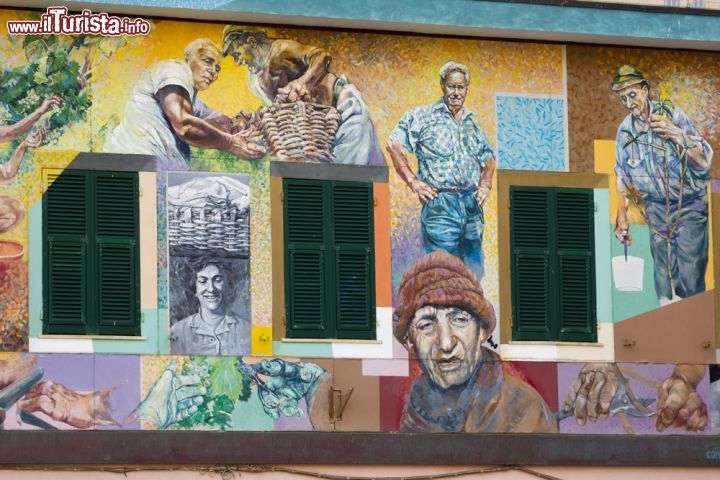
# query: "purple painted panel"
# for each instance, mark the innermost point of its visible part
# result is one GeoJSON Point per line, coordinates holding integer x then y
{"type": "Point", "coordinates": [58, 400]}
{"type": "Point", "coordinates": [121, 374]}
{"type": "Point", "coordinates": [644, 380]}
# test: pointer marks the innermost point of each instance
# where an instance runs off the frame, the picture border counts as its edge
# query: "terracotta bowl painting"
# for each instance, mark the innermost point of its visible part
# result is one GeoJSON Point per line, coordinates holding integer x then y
{"type": "Point", "coordinates": [10, 250]}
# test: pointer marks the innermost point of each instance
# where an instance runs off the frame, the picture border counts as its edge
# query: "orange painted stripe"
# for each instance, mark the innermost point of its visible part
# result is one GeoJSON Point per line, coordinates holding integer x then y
{"type": "Point", "coordinates": [383, 272]}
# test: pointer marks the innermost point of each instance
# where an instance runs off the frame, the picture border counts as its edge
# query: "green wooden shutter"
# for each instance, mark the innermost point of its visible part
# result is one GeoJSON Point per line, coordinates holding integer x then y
{"type": "Point", "coordinates": [576, 265]}
{"type": "Point", "coordinates": [329, 259]}
{"type": "Point", "coordinates": [116, 210]}
{"type": "Point", "coordinates": [307, 266]}
{"type": "Point", "coordinates": [90, 260]}
{"type": "Point", "coordinates": [66, 226]}
{"type": "Point", "coordinates": [553, 267]}
{"type": "Point", "coordinates": [352, 218]}
{"type": "Point", "coordinates": [530, 244]}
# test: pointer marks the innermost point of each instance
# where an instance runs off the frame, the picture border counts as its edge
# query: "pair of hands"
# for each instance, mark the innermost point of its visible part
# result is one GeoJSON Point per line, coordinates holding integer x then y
{"type": "Point", "coordinates": [426, 193]}
{"type": "Point", "coordinates": [294, 91]}
{"type": "Point", "coordinates": [175, 397]}
{"type": "Point", "coordinates": [663, 127]}
{"type": "Point", "coordinates": [246, 144]}
{"type": "Point", "coordinates": [678, 404]}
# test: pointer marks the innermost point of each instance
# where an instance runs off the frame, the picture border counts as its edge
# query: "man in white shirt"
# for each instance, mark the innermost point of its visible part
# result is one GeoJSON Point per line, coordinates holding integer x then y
{"type": "Point", "coordinates": [163, 116]}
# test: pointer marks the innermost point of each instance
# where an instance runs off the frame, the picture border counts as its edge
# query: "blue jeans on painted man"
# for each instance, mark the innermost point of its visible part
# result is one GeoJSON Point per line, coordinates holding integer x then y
{"type": "Point", "coordinates": [453, 222]}
{"type": "Point", "coordinates": [688, 246]}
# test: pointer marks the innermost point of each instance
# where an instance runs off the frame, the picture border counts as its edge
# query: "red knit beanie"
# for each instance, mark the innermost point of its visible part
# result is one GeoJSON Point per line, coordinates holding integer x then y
{"type": "Point", "coordinates": [443, 280]}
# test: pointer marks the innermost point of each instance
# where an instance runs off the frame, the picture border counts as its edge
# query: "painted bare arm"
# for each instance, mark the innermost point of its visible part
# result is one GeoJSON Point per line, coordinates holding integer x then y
{"type": "Point", "coordinates": [9, 171]}
{"type": "Point", "coordinates": [400, 160]}
{"type": "Point", "coordinates": [317, 62]}
{"type": "Point", "coordinates": [622, 227]}
{"type": "Point", "coordinates": [8, 133]}
{"type": "Point", "coordinates": [176, 105]}
{"type": "Point", "coordinates": [483, 191]}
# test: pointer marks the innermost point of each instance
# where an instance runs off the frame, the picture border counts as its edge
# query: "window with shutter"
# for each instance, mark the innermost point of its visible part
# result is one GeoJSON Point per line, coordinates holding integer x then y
{"type": "Point", "coordinates": [552, 264]}
{"type": "Point", "coordinates": [329, 259]}
{"type": "Point", "coordinates": [90, 257]}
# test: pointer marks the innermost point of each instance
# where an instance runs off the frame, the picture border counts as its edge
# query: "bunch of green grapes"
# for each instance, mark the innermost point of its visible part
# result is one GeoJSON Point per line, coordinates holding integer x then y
{"type": "Point", "coordinates": [216, 410]}
{"type": "Point", "coordinates": [23, 89]}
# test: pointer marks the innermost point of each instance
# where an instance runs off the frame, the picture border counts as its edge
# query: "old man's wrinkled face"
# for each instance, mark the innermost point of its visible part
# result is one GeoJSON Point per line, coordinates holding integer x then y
{"type": "Point", "coordinates": [455, 90]}
{"type": "Point", "coordinates": [205, 66]}
{"type": "Point", "coordinates": [447, 342]}
{"type": "Point", "coordinates": [209, 285]}
{"type": "Point", "coordinates": [634, 98]}
{"type": "Point", "coordinates": [245, 54]}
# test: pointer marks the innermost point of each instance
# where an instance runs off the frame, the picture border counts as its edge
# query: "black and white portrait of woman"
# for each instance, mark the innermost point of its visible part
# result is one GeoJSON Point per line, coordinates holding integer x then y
{"type": "Point", "coordinates": [209, 264]}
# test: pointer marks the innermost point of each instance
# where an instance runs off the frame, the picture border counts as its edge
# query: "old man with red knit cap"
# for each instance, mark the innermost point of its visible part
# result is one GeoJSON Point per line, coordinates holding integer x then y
{"type": "Point", "coordinates": [443, 317]}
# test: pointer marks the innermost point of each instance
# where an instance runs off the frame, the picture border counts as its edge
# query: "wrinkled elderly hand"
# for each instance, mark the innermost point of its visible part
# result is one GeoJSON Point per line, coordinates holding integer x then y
{"type": "Point", "coordinates": [79, 410]}
{"type": "Point", "coordinates": [591, 392]}
{"type": "Point", "coordinates": [35, 138]}
{"type": "Point", "coordinates": [424, 191]}
{"type": "Point", "coordinates": [172, 399]}
{"type": "Point", "coordinates": [246, 144]}
{"type": "Point", "coordinates": [286, 384]}
{"type": "Point", "coordinates": [680, 406]}
{"type": "Point", "coordinates": [49, 103]}
{"type": "Point", "coordinates": [293, 92]}
{"type": "Point", "coordinates": [482, 194]}
{"type": "Point", "coordinates": [665, 128]}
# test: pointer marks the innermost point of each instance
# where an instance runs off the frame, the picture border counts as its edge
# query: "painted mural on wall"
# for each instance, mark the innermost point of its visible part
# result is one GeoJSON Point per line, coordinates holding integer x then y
{"type": "Point", "coordinates": [214, 105]}
{"type": "Point", "coordinates": [634, 398]}
{"type": "Point", "coordinates": [335, 126]}
{"type": "Point", "coordinates": [663, 168]}
{"type": "Point", "coordinates": [83, 392]}
{"type": "Point", "coordinates": [209, 245]}
{"type": "Point", "coordinates": [443, 317]}
{"type": "Point", "coordinates": [174, 118]}
{"type": "Point", "coordinates": [45, 93]}
{"type": "Point", "coordinates": [455, 169]}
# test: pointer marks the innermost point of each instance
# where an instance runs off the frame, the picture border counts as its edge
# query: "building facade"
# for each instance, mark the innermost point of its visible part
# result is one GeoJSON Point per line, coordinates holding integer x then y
{"type": "Point", "coordinates": [237, 227]}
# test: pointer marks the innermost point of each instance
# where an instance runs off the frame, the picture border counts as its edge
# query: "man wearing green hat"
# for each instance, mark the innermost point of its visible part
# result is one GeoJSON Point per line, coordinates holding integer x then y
{"type": "Point", "coordinates": [662, 161]}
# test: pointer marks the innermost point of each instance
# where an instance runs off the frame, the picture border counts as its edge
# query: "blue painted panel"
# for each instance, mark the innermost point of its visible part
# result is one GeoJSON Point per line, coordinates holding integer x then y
{"type": "Point", "coordinates": [531, 133]}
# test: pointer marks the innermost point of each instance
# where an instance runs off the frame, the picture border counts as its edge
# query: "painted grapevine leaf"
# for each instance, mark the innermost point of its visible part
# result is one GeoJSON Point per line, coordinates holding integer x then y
{"type": "Point", "coordinates": [226, 380]}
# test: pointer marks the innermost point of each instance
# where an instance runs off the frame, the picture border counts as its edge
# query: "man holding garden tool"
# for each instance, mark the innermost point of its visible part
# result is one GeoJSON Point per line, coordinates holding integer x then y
{"type": "Point", "coordinates": [663, 167]}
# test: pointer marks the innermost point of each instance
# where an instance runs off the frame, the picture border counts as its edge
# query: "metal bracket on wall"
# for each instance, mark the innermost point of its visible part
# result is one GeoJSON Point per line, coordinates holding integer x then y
{"type": "Point", "coordinates": [337, 403]}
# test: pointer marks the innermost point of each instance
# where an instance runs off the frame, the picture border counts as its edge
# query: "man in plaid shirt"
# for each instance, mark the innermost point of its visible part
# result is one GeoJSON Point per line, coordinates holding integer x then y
{"type": "Point", "coordinates": [455, 168]}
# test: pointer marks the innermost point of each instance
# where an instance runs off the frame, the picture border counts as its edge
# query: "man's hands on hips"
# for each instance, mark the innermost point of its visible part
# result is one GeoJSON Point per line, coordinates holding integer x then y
{"type": "Point", "coordinates": [424, 191]}
{"type": "Point", "coordinates": [482, 194]}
